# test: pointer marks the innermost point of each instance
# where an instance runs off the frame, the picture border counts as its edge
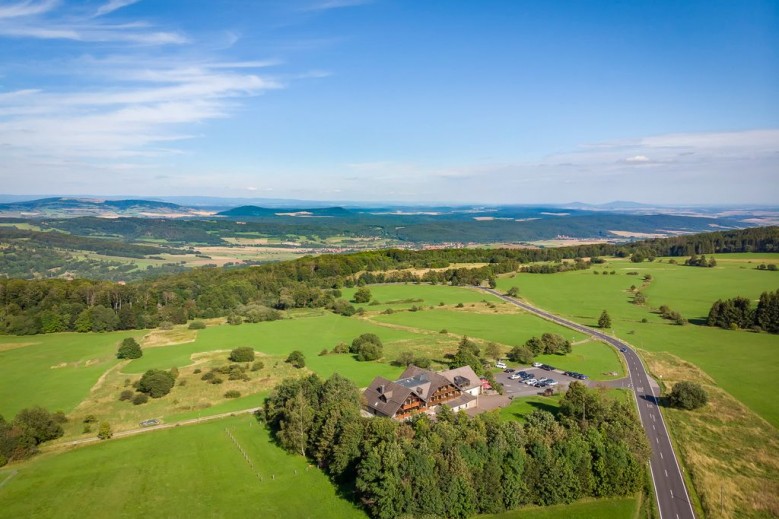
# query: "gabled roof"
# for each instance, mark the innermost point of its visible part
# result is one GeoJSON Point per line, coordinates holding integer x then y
{"type": "Point", "coordinates": [463, 377]}
{"type": "Point", "coordinates": [423, 382]}
{"type": "Point", "coordinates": [385, 396]}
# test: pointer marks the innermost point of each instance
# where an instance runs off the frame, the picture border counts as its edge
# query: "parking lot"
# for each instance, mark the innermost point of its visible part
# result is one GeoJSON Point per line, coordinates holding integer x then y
{"type": "Point", "coordinates": [518, 388]}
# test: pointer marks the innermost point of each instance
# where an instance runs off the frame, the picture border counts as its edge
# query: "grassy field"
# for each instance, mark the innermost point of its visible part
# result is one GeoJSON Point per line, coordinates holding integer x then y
{"type": "Point", "coordinates": [193, 471]}
{"type": "Point", "coordinates": [594, 359]}
{"type": "Point", "coordinates": [581, 296]}
{"type": "Point", "coordinates": [618, 508]}
{"type": "Point", "coordinates": [55, 371]}
{"type": "Point", "coordinates": [510, 329]}
{"type": "Point", "coordinates": [278, 338]}
{"type": "Point", "coordinates": [404, 296]}
{"type": "Point", "coordinates": [519, 408]}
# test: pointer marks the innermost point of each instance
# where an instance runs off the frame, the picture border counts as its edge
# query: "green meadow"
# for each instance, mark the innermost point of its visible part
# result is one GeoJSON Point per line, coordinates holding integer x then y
{"type": "Point", "coordinates": [310, 335]}
{"type": "Point", "coordinates": [506, 328]}
{"type": "Point", "coordinates": [582, 296]}
{"type": "Point", "coordinates": [55, 371]}
{"type": "Point", "coordinates": [192, 471]}
{"type": "Point", "coordinates": [404, 296]}
{"type": "Point", "coordinates": [619, 508]}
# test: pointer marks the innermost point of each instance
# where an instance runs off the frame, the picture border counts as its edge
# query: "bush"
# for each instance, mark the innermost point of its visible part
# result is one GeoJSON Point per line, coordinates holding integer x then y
{"type": "Point", "coordinates": [129, 349]}
{"type": "Point", "coordinates": [105, 431]}
{"type": "Point", "coordinates": [140, 398]}
{"type": "Point", "coordinates": [297, 359]}
{"type": "Point", "coordinates": [688, 395]}
{"type": "Point", "coordinates": [156, 383]}
{"type": "Point", "coordinates": [363, 295]}
{"type": "Point", "coordinates": [216, 381]}
{"type": "Point", "coordinates": [197, 325]}
{"type": "Point", "coordinates": [258, 365]}
{"type": "Point", "coordinates": [341, 347]}
{"type": "Point", "coordinates": [183, 382]}
{"type": "Point", "coordinates": [197, 370]}
{"type": "Point", "coordinates": [166, 325]}
{"type": "Point", "coordinates": [245, 354]}
{"type": "Point", "coordinates": [323, 352]}
{"type": "Point", "coordinates": [232, 394]}
{"type": "Point", "coordinates": [90, 418]}
{"type": "Point", "coordinates": [124, 395]}
{"type": "Point", "coordinates": [520, 354]}
{"type": "Point", "coordinates": [367, 346]}
{"type": "Point", "coordinates": [86, 430]}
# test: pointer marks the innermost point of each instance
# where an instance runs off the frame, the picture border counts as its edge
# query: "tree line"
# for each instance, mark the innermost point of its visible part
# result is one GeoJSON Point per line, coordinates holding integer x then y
{"type": "Point", "coordinates": [457, 466]}
{"type": "Point", "coordinates": [55, 305]}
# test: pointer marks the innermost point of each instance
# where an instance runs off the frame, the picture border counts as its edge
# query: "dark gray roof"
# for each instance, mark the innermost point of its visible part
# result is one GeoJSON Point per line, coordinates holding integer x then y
{"type": "Point", "coordinates": [385, 396]}
{"type": "Point", "coordinates": [463, 377]}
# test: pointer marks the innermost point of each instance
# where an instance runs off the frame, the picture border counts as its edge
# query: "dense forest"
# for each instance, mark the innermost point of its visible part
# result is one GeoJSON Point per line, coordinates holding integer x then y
{"type": "Point", "coordinates": [456, 466]}
{"type": "Point", "coordinates": [52, 305]}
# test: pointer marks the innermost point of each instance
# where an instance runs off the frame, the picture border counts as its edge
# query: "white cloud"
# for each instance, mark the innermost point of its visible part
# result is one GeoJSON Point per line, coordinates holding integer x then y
{"type": "Point", "coordinates": [113, 5]}
{"type": "Point", "coordinates": [637, 159]}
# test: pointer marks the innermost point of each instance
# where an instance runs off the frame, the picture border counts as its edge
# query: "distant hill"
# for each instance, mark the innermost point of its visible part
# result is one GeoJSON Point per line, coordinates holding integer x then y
{"type": "Point", "coordinates": [68, 207]}
{"type": "Point", "coordinates": [252, 211]}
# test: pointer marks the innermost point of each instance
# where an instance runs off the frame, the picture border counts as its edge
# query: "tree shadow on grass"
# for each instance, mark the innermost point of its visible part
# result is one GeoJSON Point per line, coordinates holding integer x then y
{"type": "Point", "coordinates": [543, 406]}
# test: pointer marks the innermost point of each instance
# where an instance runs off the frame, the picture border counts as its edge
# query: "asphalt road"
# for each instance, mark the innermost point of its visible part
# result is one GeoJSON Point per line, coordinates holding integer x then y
{"type": "Point", "coordinates": [673, 501]}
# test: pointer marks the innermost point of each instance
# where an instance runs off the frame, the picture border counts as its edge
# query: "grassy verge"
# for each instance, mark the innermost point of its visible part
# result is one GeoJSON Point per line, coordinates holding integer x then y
{"type": "Point", "coordinates": [618, 508]}
{"type": "Point", "coordinates": [729, 451]}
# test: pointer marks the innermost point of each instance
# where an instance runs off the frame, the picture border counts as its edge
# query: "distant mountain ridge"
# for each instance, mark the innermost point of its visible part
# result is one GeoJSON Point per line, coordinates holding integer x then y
{"type": "Point", "coordinates": [67, 206]}
{"type": "Point", "coordinates": [253, 211]}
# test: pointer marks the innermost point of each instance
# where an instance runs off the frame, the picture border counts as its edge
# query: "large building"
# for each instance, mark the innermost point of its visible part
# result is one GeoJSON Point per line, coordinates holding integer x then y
{"type": "Point", "coordinates": [422, 391]}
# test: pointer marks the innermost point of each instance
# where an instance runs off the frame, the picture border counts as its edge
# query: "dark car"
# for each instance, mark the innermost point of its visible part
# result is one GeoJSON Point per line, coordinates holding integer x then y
{"type": "Point", "coordinates": [509, 370]}
{"type": "Point", "coordinates": [547, 367]}
{"type": "Point", "coordinates": [524, 374]}
{"type": "Point", "coordinates": [541, 384]}
{"type": "Point", "coordinates": [623, 350]}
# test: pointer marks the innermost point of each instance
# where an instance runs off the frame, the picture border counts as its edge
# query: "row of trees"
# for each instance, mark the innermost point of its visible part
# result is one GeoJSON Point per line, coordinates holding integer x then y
{"type": "Point", "coordinates": [548, 343]}
{"type": "Point", "coordinates": [458, 466]}
{"type": "Point", "coordinates": [255, 293]}
{"type": "Point", "coordinates": [738, 313]}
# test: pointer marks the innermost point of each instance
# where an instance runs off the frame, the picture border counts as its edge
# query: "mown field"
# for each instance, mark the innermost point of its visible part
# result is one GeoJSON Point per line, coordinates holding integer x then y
{"type": "Point", "coordinates": [582, 296]}
{"type": "Point", "coordinates": [193, 471]}
{"type": "Point", "coordinates": [55, 371]}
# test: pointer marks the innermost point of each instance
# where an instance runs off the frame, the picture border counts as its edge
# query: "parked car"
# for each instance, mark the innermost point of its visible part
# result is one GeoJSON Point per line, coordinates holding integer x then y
{"type": "Point", "coordinates": [524, 374]}
{"type": "Point", "coordinates": [541, 384]}
{"type": "Point", "coordinates": [514, 376]}
{"type": "Point", "coordinates": [530, 381]}
{"type": "Point", "coordinates": [501, 365]}
{"type": "Point", "coordinates": [536, 364]}
{"type": "Point", "coordinates": [510, 370]}
{"type": "Point", "coordinates": [543, 379]}
{"type": "Point", "coordinates": [547, 367]}
{"type": "Point", "coordinates": [581, 377]}
{"type": "Point", "coordinates": [550, 382]}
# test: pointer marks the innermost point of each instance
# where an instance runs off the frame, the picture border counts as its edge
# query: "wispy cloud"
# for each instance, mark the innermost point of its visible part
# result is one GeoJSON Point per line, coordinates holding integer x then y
{"type": "Point", "coordinates": [42, 20]}
{"type": "Point", "coordinates": [113, 5]}
{"type": "Point", "coordinates": [28, 8]}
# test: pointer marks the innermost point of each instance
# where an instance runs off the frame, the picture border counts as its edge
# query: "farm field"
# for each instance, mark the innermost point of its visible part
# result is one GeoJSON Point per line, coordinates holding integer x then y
{"type": "Point", "coordinates": [193, 471]}
{"type": "Point", "coordinates": [581, 296]}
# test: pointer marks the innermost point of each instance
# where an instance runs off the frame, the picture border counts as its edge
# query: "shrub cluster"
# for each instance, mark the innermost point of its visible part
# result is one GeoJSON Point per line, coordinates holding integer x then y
{"type": "Point", "coordinates": [367, 347]}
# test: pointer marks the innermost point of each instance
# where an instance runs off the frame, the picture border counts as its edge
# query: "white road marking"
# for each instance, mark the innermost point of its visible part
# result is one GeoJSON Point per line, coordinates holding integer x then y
{"type": "Point", "coordinates": [666, 473]}
{"type": "Point", "coordinates": [661, 455]}
{"type": "Point", "coordinates": [653, 427]}
{"type": "Point", "coordinates": [657, 439]}
{"type": "Point", "coordinates": [672, 494]}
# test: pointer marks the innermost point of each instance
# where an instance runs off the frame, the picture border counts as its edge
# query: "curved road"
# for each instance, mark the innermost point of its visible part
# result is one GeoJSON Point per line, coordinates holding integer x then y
{"type": "Point", "coordinates": [672, 498]}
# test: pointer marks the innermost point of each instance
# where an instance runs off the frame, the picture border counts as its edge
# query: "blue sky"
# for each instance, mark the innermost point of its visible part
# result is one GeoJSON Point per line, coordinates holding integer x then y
{"type": "Point", "coordinates": [415, 101]}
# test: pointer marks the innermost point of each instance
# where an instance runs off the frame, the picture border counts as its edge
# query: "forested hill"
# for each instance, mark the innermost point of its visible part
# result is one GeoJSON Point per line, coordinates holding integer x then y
{"type": "Point", "coordinates": [28, 307]}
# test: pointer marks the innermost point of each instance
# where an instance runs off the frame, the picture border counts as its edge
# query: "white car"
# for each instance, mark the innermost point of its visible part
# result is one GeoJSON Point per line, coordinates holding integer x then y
{"type": "Point", "coordinates": [536, 364]}
{"type": "Point", "coordinates": [551, 382]}
{"type": "Point", "coordinates": [514, 376]}
{"type": "Point", "coordinates": [530, 381]}
{"type": "Point", "coordinates": [501, 365]}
